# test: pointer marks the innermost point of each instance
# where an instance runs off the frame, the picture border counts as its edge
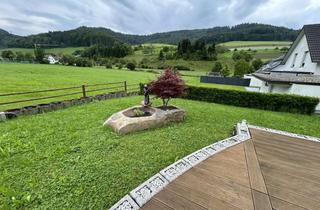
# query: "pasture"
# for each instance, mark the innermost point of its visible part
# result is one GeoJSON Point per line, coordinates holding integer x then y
{"type": "Point", "coordinates": [32, 77]}
{"type": "Point", "coordinates": [261, 44]}
{"type": "Point", "coordinates": [56, 51]}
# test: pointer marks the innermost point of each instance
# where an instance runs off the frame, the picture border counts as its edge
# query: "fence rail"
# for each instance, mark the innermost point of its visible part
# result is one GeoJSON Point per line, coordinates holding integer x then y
{"type": "Point", "coordinates": [82, 90]}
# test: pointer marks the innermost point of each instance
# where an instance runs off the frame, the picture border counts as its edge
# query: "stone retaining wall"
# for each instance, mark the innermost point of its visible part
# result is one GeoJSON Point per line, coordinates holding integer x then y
{"type": "Point", "coordinates": [42, 108]}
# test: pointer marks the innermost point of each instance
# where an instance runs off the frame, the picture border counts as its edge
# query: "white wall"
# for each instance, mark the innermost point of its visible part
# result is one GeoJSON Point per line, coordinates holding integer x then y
{"type": "Point", "coordinates": [305, 90]}
{"type": "Point", "coordinates": [280, 88]}
{"type": "Point", "coordinates": [300, 49]}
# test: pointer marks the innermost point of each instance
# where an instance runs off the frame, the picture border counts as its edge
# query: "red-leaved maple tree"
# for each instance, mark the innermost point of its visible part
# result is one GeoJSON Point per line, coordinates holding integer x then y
{"type": "Point", "coordinates": [168, 85]}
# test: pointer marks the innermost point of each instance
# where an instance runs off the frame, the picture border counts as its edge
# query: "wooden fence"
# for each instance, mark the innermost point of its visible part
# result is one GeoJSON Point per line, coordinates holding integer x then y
{"type": "Point", "coordinates": [82, 91]}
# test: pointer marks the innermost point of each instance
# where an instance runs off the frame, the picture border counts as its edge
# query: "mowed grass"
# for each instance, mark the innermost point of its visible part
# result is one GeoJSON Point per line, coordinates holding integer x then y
{"type": "Point", "coordinates": [56, 51]}
{"type": "Point", "coordinates": [67, 160]}
{"type": "Point", "coordinates": [235, 44]}
{"type": "Point", "coordinates": [32, 77]}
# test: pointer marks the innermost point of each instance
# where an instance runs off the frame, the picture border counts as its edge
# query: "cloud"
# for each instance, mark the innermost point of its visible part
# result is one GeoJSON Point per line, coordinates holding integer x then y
{"type": "Point", "coordinates": [150, 16]}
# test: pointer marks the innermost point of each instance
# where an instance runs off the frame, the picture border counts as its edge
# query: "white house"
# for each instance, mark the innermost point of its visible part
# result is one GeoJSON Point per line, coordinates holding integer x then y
{"type": "Point", "coordinates": [298, 72]}
{"type": "Point", "coordinates": [52, 59]}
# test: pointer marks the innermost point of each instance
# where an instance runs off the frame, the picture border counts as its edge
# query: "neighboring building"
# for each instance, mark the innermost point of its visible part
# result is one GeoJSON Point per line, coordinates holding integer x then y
{"type": "Point", "coordinates": [52, 59]}
{"type": "Point", "coordinates": [298, 72]}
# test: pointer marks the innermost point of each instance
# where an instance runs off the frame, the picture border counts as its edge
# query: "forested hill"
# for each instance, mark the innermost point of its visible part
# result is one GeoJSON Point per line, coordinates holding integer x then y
{"type": "Point", "coordinates": [86, 36]}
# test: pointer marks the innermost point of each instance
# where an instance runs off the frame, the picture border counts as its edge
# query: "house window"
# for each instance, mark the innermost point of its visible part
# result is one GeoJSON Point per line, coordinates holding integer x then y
{"type": "Point", "coordinates": [294, 60]}
{"type": "Point", "coordinates": [303, 62]}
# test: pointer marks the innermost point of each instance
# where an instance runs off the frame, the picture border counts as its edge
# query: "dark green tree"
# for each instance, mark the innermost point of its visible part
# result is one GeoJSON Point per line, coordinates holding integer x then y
{"type": "Point", "coordinates": [225, 71]}
{"type": "Point", "coordinates": [29, 57]}
{"type": "Point", "coordinates": [131, 66]}
{"type": "Point", "coordinates": [217, 67]}
{"type": "Point", "coordinates": [241, 68]}
{"type": "Point", "coordinates": [257, 64]}
{"type": "Point", "coordinates": [238, 55]}
{"type": "Point", "coordinates": [39, 54]}
{"type": "Point", "coordinates": [212, 49]}
{"type": "Point", "coordinates": [161, 55]}
{"type": "Point", "coordinates": [8, 54]}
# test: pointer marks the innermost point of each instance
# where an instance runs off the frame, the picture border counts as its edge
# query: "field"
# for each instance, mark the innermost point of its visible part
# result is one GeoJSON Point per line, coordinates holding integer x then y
{"type": "Point", "coordinates": [67, 160]}
{"type": "Point", "coordinates": [265, 51]}
{"type": "Point", "coordinates": [262, 50]}
{"type": "Point", "coordinates": [31, 77]}
{"type": "Point", "coordinates": [57, 51]}
{"type": "Point", "coordinates": [255, 44]}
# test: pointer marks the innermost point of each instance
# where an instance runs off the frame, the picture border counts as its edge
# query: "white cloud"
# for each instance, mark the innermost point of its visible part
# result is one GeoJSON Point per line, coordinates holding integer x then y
{"type": "Point", "coordinates": [150, 16]}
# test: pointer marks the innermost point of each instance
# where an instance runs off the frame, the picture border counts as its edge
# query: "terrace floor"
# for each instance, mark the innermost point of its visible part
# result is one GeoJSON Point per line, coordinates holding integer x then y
{"type": "Point", "coordinates": [267, 172]}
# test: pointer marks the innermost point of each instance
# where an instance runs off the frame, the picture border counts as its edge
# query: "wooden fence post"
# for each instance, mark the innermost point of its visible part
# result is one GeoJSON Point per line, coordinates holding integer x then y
{"type": "Point", "coordinates": [84, 91]}
{"type": "Point", "coordinates": [125, 86]}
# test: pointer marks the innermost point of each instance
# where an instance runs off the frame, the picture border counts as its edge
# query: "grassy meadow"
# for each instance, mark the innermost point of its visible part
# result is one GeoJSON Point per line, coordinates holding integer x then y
{"type": "Point", "coordinates": [32, 77]}
{"type": "Point", "coordinates": [265, 51]}
{"type": "Point", "coordinates": [66, 159]}
{"type": "Point", "coordinates": [243, 44]}
{"type": "Point", "coordinates": [57, 51]}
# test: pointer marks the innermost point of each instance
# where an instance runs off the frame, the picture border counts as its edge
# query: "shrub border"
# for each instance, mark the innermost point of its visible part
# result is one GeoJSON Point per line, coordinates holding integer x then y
{"type": "Point", "coordinates": [265, 101]}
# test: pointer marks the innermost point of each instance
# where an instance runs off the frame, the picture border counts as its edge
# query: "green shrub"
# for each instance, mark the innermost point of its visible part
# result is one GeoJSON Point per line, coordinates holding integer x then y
{"type": "Point", "coordinates": [217, 67]}
{"type": "Point", "coordinates": [274, 102]}
{"type": "Point", "coordinates": [131, 66]}
{"type": "Point", "coordinates": [241, 68]}
{"type": "Point", "coordinates": [181, 67]}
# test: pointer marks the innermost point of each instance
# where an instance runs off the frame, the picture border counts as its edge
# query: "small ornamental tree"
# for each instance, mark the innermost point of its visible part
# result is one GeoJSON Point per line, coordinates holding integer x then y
{"type": "Point", "coordinates": [168, 85]}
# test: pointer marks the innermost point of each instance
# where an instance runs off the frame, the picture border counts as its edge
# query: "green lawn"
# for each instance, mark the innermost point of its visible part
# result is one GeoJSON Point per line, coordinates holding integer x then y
{"type": "Point", "coordinates": [57, 51]}
{"type": "Point", "coordinates": [67, 160]}
{"type": "Point", "coordinates": [31, 77]}
{"type": "Point", "coordinates": [236, 44]}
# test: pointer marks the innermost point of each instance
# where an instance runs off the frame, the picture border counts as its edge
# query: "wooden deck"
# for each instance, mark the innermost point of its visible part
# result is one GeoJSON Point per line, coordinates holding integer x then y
{"type": "Point", "coordinates": [267, 172]}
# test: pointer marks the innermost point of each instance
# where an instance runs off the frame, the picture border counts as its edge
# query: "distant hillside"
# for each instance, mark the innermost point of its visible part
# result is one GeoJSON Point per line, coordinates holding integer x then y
{"type": "Point", "coordinates": [86, 36]}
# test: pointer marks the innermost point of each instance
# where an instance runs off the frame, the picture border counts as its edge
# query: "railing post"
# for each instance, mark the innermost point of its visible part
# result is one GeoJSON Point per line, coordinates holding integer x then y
{"type": "Point", "coordinates": [125, 86]}
{"type": "Point", "coordinates": [84, 91]}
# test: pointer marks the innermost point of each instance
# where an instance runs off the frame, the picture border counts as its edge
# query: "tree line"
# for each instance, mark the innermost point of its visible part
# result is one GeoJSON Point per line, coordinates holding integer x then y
{"type": "Point", "coordinates": [87, 36]}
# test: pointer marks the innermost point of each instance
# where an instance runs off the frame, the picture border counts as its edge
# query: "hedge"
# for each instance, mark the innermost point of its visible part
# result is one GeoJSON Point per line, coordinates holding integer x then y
{"type": "Point", "coordinates": [274, 102]}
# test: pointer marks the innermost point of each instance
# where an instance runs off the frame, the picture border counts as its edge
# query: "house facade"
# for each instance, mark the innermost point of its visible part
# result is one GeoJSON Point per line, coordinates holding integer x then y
{"type": "Point", "coordinates": [52, 59]}
{"type": "Point", "coordinates": [298, 72]}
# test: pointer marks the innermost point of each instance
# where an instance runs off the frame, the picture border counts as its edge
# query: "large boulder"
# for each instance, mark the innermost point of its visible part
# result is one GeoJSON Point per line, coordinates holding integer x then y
{"type": "Point", "coordinates": [127, 121]}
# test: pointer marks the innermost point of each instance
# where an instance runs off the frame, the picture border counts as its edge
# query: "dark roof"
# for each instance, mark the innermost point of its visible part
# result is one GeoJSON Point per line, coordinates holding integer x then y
{"type": "Point", "coordinates": [270, 66]}
{"type": "Point", "coordinates": [289, 78]}
{"type": "Point", "coordinates": [312, 33]}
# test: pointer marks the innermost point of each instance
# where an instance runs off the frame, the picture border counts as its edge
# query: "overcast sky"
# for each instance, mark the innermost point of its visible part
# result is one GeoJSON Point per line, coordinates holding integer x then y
{"type": "Point", "coordinates": [149, 16]}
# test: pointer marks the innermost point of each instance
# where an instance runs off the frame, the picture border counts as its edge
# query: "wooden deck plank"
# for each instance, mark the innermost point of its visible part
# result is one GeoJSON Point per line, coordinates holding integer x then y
{"type": "Point", "coordinates": [282, 139]}
{"type": "Point", "coordinates": [296, 156]}
{"type": "Point", "coordinates": [281, 159]}
{"type": "Point", "coordinates": [156, 205]}
{"type": "Point", "coordinates": [267, 161]}
{"type": "Point", "coordinates": [261, 201]}
{"type": "Point", "coordinates": [278, 204]}
{"type": "Point", "coordinates": [292, 197]}
{"type": "Point", "coordinates": [175, 201]}
{"type": "Point", "coordinates": [255, 175]}
{"type": "Point", "coordinates": [294, 171]}
{"type": "Point", "coordinates": [269, 171]}
{"type": "Point", "coordinates": [200, 197]}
